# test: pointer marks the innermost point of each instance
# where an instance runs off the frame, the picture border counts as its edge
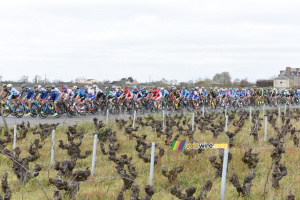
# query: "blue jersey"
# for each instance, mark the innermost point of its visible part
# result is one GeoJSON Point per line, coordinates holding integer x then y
{"type": "Point", "coordinates": [29, 93]}
{"type": "Point", "coordinates": [165, 93]}
{"type": "Point", "coordinates": [79, 92]}
{"type": "Point", "coordinates": [47, 94]}
{"type": "Point", "coordinates": [42, 92]}
{"type": "Point", "coordinates": [119, 93]}
{"type": "Point", "coordinates": [55, 92]}
{"type": "Point", "coordinates": [184, 93]}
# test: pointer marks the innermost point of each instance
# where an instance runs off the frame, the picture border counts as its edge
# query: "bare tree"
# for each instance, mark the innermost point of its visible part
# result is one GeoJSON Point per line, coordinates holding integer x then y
{"type": "Point", "coordinates": [36, 79]}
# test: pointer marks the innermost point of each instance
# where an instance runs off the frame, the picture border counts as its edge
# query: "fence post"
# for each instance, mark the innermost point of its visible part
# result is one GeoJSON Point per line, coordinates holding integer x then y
{"type": "Point", "coordinates": [278, 115]}
{"type": "Point", "coordinates": [225, 111]}
{"type": "Point", "coordinates": [250, 114]}
{"type": "Point", "coordinates": [52, 147]}
{"type": "Point", "coordinates": [266, 127]}
{"type": "Point", "coordinates": [107, 113]}
{"type": "Point", "coordinates": [226, 124]}
{"type": "Point", "coordinates": [163, 125]}
{"type": "Point", "coordinates": [134, 114]}
{"type": "Point", "coordinates": [193, 119]}
{"type": "Point", "coordinates": [224, 171]}
{"type": "Point", "coordinates": [203, 110]}
{"type": "Point", "coordinates": [15, 138]}
{"type": "Point", "coordinates": [285, 110]}
{"type": "Point", "coordinates": [152, 164]}
{"type": "Point", "coordinates": [94, 153]}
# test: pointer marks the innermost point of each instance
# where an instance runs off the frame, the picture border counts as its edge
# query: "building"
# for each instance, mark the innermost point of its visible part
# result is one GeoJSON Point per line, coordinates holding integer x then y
{"type": "Point", "coordinates": [132, 83]}
{"type": "Point", "coordinates": [288, 78]}
{"type": "Point", "coordinates": [87, 81]}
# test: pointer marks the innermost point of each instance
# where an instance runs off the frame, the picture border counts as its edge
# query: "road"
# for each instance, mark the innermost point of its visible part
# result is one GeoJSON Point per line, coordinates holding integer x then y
{"type": "Point", "coordinates": [11, 120]}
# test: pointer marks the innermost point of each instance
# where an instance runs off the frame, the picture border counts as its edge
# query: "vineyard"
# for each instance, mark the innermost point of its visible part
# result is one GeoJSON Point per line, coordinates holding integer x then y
{"type": "Point", "coordinates": [263, 158]}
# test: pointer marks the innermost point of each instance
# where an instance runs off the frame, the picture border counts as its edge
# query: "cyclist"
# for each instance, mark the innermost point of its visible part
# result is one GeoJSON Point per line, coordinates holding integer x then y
{"type": "Point", "coordinates": [175, 95]}
{"type": "Point", "coordinates": [14, 93]}
{"type": "Point", "coordinates": [89, 94]}
{"type": "Point", "coordinates": [156, 96]}
{"type": "Point", "coordinates": [137, 95]}
{"type": "Point", "coordinates": [54, 95]}
{"type": "Point", "coordinates": [79, 95]}
{"type": "Point", "coordinates": [4, 91]}
{"type": "Point", "coordinates": [66, 93]}
{"type": "Point", "coordinates": [126, 94]}
{"type": "Point", "coordinates": [97, 92]}
{"type": "Point", "coordinates": [39, 92]}
{"type": "Point", "coordinates": [29, 96]}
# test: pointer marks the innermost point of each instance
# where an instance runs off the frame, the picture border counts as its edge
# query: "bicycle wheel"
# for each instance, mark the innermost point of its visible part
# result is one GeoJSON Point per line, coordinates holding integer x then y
{"type": "Point", "coordinates": [6, 111]}
{"type": "Point", "coordinates": [34, 110]}
{"type": "Point", "coordinates": [71, 111]}
{"type": "Point", "coordinates": [44, 111]}
{"type": "Point", "coordinates": [19, 110]}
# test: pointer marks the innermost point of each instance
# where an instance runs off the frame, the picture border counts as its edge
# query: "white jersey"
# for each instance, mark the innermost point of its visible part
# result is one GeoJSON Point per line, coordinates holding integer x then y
{"type": "Point", "coordinates": [97, 90]}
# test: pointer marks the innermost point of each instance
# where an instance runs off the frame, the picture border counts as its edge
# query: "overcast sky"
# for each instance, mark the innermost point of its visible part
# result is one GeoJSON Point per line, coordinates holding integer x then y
{"type": "Point", "coordinates": [183, 40]}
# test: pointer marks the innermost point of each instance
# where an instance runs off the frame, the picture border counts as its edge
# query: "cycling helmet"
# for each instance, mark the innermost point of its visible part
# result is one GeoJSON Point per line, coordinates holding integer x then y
{"type": "Point", "coordinates": [192, 89]}
{"type": "Point", "coordinates": [9, 85]}
{"type": "Point", "coordinates": [113, 87]}
{"type": "Point", "coordinates": [162, 88]}
{"type": "Point", "coordinates": [197, 88]}
{"type": "Point", "coordinates": [52, 86]}
{"type": "Point", "coordinates": [39, 86]}
{"type": "Point", "coordinates": [158, 88]}
{"type": "Point", "coordinates": [75, 87]}
{"type": "Point", "coordinates": [35, 86]}
{"type": "Point", "coordinates": [65, 87]}
{"type": "Point", "coordinates": [125, 87]}
{"type": "Point", "coordinates": [95, 86]}
{"type": "Point", "coordinates": [4, 85]}
{"type": "Point", "coordinates": [23, 86]}
{"type": "Point", "coordinates": [134, 86]}
{"type": "Point", "coordinates": [183, 87]}
{"type": "Point", "coordinates": [48, 86]}
{"type": "Point", "coordinates": [86, 87]}
{"type": "Point", "coordinates": [106, 88]}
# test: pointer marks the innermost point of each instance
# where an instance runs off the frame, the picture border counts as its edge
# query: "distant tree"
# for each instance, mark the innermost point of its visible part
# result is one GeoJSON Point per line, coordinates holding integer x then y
{"type": "Point", "coordinates": [123, 80]}
{"type": "Point", "coordinates": [106, 81]}
{"type": "Point", "coordinates": [217, 77]}
{"type": "Point", "coordinates": [165, 81]}
{"type": "Point", "coordinates": [185, 84]}
{"type": "Point", "coordinates": [203, 83]}
{"type": "Point", "coordinates": [236, 82]}
{"type": "Point", "coordinates": [24, 79]}
{"type": "Point", "coordinates": [245, 83]}
{"type": "Point", "coordinates": [130, 79]}
{"type": "Point", "coordinates": [224, 78]}
{"type": "Point", "coordinates": [57, 81]}
{"type": "Point", "coordinates": [36, 79]}
{"type": "Point", "coordinates": [264, 83]}
{"type": "Point", "coordinates": [190, 83]}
